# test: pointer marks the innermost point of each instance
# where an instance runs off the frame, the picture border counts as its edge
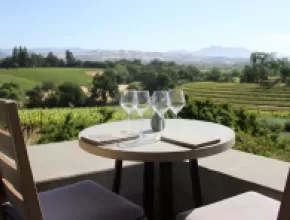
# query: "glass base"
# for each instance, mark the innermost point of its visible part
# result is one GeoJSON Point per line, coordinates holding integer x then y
{"type": "Point", "coordinates": [129, 133]}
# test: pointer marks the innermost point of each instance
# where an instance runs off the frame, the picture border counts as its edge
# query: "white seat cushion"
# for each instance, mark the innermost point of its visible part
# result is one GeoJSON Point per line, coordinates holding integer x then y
{"type": "Point", "coordinates": [87, 200]}
{"type": "Point", "coordinates": [247, 206]}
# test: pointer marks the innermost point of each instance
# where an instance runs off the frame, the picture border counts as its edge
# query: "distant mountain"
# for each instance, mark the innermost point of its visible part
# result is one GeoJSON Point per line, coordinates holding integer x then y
{"type": "Point", "coordinates": [177, 56]}
{"type": "Point", "coordinates": [209, 56]}
{"type": "Point", "coordinates": [180, 51]}
{"type": "Point", "coordinates": [218, 51]}
{"type": "Point", "coordinates": [56, 50]}
{"type": "Point", "coordinates": [3, 54]}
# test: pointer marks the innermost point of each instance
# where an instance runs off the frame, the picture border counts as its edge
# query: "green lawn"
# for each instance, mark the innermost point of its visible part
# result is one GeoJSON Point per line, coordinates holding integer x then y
{"type": "Point", "coordinates": [24, 83]}
{"type": "Point", "coordinates": [29, 77]}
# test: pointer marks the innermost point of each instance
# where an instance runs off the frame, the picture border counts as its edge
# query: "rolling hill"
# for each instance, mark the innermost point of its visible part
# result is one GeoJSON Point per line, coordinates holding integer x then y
{"type": "Point", "coordinates": [29, 77]}
{"type": "Point", "coordinates": [212, 56]}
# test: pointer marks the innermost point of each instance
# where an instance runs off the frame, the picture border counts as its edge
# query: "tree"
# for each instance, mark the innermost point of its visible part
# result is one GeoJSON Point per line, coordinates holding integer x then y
{"type": "Point", "coordinates": [262, 65]}
{"type": "Point", "coordinates": [104, 87]}
{"type": "Point", "coordinates": [250, 74]}
{"type": "Point", "coordinates": [47, 86]}
{"type": "Point", "coordinates": [71, 94]}
{"type": "Point", "coordinates": [285, 73]}
{"type": "Point", "coordinates": [6, 62]}
{"type": "Point", "coordinates": [152, 80]}
{"type": "Point", "coordinates": [122, 73]}
{"type": "Point", "coordinates": [51, 60]}
{"type": "Point", "coordinates": [15, 57]}
{"type": "Point", "coordinates": [23, 57]}
{"type": "Point", "coordinates": [148, 78]}
{"type": "Point", "coordinates": [194, 73]}
{"type": "Point", "coordinates": [163, 81]}
{"type": "Point", "coordinates": [70, 60]}
{"type": "Point", "coordinates": [135, 85]}
{"type": "Point", "coordinates": [235, 73]}
{"type": "Point", "coordinates": [35, 97]}
{"type": "Point", "coordinates": [214, 74]}
{"type": "Point", "coordinates": [134, 71]}
{"type": "Point", "coordinates": [284, 69]}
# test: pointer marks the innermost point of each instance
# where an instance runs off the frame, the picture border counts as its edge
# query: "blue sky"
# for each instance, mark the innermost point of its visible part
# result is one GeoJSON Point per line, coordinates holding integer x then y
{"type": "Point", "coordinates": [149, 25]}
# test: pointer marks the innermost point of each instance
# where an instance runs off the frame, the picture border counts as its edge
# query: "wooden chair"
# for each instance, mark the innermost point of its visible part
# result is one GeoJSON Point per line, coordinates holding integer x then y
{"type": "Point", "coordinates": [247, 206]}
{"type": "Point", "coordinates": [20, 200]}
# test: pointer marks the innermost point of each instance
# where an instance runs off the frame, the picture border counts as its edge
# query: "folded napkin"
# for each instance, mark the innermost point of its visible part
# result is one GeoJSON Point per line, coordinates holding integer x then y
{"type": "Point", "coordinates": [104, 139]}
{"type": "Point", "coordinates": [191, 142]}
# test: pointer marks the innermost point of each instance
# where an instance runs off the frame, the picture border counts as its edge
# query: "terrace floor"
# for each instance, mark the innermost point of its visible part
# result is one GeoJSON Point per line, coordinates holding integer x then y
{"type": "Point", "coordinates": [222, 175]}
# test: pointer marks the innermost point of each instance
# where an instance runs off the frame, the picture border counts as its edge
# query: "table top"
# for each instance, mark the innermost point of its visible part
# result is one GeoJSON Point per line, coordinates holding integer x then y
{"type": "Point", "coordinates": [149, 150]}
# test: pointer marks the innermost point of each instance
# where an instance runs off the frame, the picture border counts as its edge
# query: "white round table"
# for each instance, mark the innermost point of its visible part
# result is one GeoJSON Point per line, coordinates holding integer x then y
{"type": "Point", "coordinates": [189, 131]}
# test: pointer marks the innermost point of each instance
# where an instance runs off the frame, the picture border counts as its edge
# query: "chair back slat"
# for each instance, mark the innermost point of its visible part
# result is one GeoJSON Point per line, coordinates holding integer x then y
{"type": "Point", "coordinates": [10, 173]}
{"type": "Point", "coordinates": [6, 144]}
{"type": "Point", "coordinates": [284, 213]}
{"type": "Point", "coordinates": [14, 197]}
{"type": "Point", "coordinates": [16, 175]}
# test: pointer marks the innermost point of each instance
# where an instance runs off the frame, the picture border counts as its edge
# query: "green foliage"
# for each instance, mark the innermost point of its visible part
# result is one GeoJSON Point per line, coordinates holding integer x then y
{"type": "Point", "coordinates": [47, 95]}
{"type": "Point", "coordinates": [214, 74]}
{"type": "Point", "coordinates": [251, 135]}
{"type": "Point", "coordinates": [263, 66]}
{"type": "Point", "coordinates": [69, 127]}
{"type": "Point", "coordinates": [273, 125]}
{"type": "Point", "coordinates": [135, 85]}
{"type": "Point", "coordinates": [287, 126]}
{"type": "Point", "coordinates": [35, 97]}
{"type": "Point", "coordinates": [238, 119]}
{"type": "Point", "coordinates": [52, 61]}
{"type": "Point", "coordinates": [70, 95]}
{"type": "Point", "coordinates": [122, 74]}
{"type": "Point", "coordinates": [152, 81]}
{"type": "Point", "coordinates": [48, 86]}
{"type": "Point", "coordinates": [10, 91]}
{"type": "Point", "coordinates": [60, 132]}
{"type": "Point", "coordinates": [104, 87]}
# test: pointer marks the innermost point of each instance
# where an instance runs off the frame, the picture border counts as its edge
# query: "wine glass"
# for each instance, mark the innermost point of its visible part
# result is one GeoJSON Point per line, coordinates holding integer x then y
{"type": "Point", "coordinates": [143, 103]}
{"type": "Point", "coordinates": [128, 102]}
{"type": "Point", "coordinates": [160, 103]}
{"type": "Point", "coordinates": [176, 100]}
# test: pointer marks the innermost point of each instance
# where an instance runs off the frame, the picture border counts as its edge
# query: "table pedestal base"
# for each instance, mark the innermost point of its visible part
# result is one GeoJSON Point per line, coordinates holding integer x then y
{"type": "Point", "coordinates": [165, 187]}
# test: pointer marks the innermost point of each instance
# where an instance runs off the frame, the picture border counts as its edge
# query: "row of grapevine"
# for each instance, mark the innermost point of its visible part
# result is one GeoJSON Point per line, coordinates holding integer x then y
{"type": "Point", "coordinates": [37, 118]}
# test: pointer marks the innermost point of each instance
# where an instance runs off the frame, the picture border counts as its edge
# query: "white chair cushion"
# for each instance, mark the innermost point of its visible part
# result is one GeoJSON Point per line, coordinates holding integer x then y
{"type": "Point", "coordinates": [247, 206]}
{"type": "Point", "coordinates": [87, 200]}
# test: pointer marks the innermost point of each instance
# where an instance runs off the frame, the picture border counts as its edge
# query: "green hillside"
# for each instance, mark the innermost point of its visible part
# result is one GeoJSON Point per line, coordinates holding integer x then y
{"type": "Point", "coordinates": [29, 77]}
{"type": "Point", "coordinates": [24, 83]}
{"type": "Point", "coordinates": [247, 95]}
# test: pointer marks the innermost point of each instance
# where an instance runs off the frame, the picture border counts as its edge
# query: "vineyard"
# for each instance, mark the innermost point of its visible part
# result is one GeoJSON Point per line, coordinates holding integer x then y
{"type": "Point", "coordinates": [258, 135]}
{"type": "Point", "coordinates": [36, 121]}
{"type": "Point", "coordinates": [37, 118]}
{"type": "Point", "coordinates": [250, 96]}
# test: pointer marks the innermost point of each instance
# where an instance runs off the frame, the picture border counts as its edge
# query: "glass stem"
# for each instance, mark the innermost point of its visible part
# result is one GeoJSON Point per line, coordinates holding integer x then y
{"type": "Point", "coordinates": [129, 123]}
{"type": "Point", "coordinates": [161, 125]}
{"type": "Point", "coordinates": [141, 120]}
